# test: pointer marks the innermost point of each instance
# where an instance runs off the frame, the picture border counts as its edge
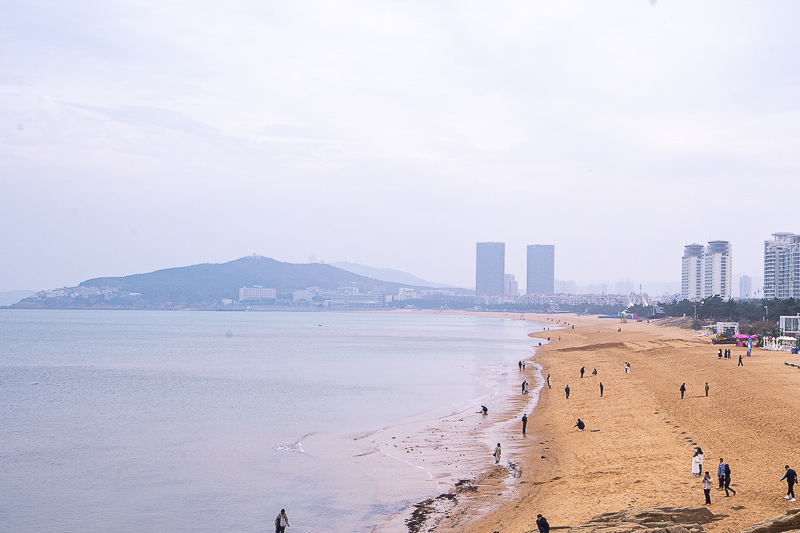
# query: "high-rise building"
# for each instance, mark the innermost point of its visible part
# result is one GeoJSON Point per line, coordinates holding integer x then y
{"type": "Point", "coordinates": [510, 285]}
{"type": "Point", "coordinates": [490, 268]}
{"type": "Point", "coordinates": [717, 272]}
{"type": "Point", "coordinates": [706, 271]}
{"type": "Point", "coordinates": [692, 272]}
{"type": "Point", "coordinates": [782, 266]}
{"type": "Point", "coordinates": [745, 287]}
{"type": "Point", "coordinates": [541, 269]}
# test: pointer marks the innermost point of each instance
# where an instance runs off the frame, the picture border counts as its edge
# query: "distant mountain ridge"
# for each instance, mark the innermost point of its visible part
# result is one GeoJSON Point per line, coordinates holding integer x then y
{"type": "Point", "coordinates": [206, 285]}
{"type": "Point", "coordinates": [388, 274]}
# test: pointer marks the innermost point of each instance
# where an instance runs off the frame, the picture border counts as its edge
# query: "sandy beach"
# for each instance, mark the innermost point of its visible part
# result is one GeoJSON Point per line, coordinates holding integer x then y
{"type": "Point", "coordinates": [636, 450]}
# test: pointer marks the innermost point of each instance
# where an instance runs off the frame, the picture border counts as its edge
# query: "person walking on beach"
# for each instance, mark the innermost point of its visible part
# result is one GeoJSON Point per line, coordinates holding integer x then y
{"type": "Point", "coordinates": [542, 524]}
{"type": "Point", "coordinates": [728, 480]}
{"type": "Point", "coordinates": [601, 389]}
{"type": "Point", "coordinates": [721, 473]}
{"type": "Point", "coordinates": [583, 369]}
{"type": "Point", "coordinates": [524, 422]}
{"type": "Point", "coordinates": [281, 522]}
{"type": "Point", "coordinates": [719, 354]}
{"type": "Point", "coordinates": [549, 385]}
{"type": "Point", "coordinates": [566, 391]}
{"type": "Point", "coordinates": [523, 386]}
{"type": "Point", "coordinates": [683, 390]}
{"type": "Point", "coordinates": [791, 478]}
{"type": "Point", "coordinates": [520, 365]}
{"type": "Point", "coordinates": [707, 488]}
{"type": "Point", "coordinates": [706, 389]}
{"type": "Point", "coordinates": [740, 361]}
{"type": "Point", "coordinates": [497, 453]}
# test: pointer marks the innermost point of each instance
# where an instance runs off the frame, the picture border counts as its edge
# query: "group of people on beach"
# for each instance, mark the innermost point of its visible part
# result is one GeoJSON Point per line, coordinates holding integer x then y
{"type": "Point", "coordinates": [727, 355]}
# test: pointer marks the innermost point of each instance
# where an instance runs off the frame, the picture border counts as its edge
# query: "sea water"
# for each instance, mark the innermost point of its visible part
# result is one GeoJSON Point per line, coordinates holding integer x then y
{"type": "Point", "coordinates": [214, 421]}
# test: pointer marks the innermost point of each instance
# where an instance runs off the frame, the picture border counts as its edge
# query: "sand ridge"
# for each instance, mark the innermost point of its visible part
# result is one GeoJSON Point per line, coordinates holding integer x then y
{"type": "Point", "coordinates": [637, 447]}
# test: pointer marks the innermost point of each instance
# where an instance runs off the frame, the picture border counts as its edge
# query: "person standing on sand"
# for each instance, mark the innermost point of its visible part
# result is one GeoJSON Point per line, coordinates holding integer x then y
{"type": "Point", "coordinates": [740, 361]}
{"type": "Point", "coordinates": [721, 473]}
{"type": "Point", "coordinates": [520, 365]}
{"type": "Point", "coordinates": [728, 480]}
{"type": "Point", "coordinates": [683, 390]}
{"type": "Point", "coordinates": [791, 478]}
{"type": "Point", "coordinates": [706, 389]}
{"type": "Point", "coordinates": [601, 389]}
{"type": "Point", "coordinates": [583, 369]}
{"type": "Point", "coordinates": [542, 524]}
{"type": "Point", "coordinates": [281, 522]}
{"type": "Point", "coordinates": [524, 422]}
{"type": "Point", "coordinates": [707, 488]}
{"type": "Point", "coordinates": [497, 453]}
{"type": "Point", "coordinates": [548, 382]}
{"type": "Point", "coordinates": [566, 391]}
{"type": "Point", "coordinates": [719, 354]}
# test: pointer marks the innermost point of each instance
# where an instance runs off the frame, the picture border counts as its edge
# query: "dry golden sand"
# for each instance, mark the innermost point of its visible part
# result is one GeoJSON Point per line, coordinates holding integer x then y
{"type": "Point", "coordinates": [636, 450]}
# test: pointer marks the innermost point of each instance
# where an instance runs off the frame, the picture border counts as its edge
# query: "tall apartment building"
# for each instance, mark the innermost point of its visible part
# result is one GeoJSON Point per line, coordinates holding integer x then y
{"type": "Point", "coordinates": [541, 269]}
{"type": "Point", "coordinates": [717, 270]}
{"type": "Point", "coordinates": [706, 271]}
{"type": "Point", "coordinates": [782, 266]}
{"type": "Point", "coordinates": [510, 285]}
{"type": "Point", "coordinates": [490, 268]}
{"type": "Point", "coordinates": [692, 272]}
{"type": "Point", "coordinates": [745, 287]}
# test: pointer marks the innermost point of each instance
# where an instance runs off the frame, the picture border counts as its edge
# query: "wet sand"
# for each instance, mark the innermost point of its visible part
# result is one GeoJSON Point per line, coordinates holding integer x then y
{"type": "Point", "coordinates": [637, 448]}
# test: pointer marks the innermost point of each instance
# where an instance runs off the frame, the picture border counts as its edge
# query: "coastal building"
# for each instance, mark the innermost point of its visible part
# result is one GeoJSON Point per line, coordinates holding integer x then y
{"type": "Point", "coordinates": [717, 270]}
{"type": "Point", "coordinates": [541, 269]}
{"type": "Point", "coordinates": [305, 295]}
{"type": "Point", "coordinates": [490, 268]}
{"type": "Point", "coordinates": [692, 272]}
{"type": "Point", "coordinates": [706, 271]}
{"type": "Point", "coordinates": [782, 266]}
{"type": "Point", "coordinates": [257, 293]}
{"type": "Point", "coordinates": [745, 287]}
{"type": "Point", "coordinates": [405, 293]}
{"type": "Point", "coordinates": [566, 286]}
{"type": "Point", "coordinates": [510, 285]}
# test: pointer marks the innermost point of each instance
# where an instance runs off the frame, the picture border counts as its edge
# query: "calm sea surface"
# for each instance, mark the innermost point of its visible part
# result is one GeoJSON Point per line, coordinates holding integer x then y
{"type": "Point", "coordinates": [171, 421]}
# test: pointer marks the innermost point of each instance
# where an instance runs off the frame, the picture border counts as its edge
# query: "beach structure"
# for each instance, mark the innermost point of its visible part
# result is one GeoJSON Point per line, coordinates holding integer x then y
{"type": "Point", "coordinates": [490, 268]}
{"type": "Point", "coordinates": [782, 266]}
{"type": "Point", "coordinates": [706, 271]}
{"type": "Point", "coordinates": [541, 269]}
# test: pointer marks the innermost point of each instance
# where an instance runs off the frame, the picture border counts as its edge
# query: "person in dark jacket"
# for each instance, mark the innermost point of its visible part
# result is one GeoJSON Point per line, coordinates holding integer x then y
{"type": "Point", "coordinates": [791, 478]}
{"type": "Point", "coordinates": [566, 391]}
{"type": "Point", "coordinates": [542, 524]}
{"type": "Point", "coordinates": [683, 390]}
{"type": "Point", "coordinates": [728, 480]}
{"type": "Point", "coordinates": [580, 425]}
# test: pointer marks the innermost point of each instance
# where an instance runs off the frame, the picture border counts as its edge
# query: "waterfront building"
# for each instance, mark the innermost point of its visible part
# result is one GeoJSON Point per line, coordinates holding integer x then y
{"type": "Point", "coordinates": [541, 269]}
{"type": "Point", "coordinates": [706, 271]}
{"type": "Point", "coordinates": [490, 268]}
{"type": "Point", "coordinates": [717, 270]}
{"type": "Point", "coordinates": [782, 266]}
{"type": "Point", "coordinates": [256, 293]}
{"type": "Point", "coordinates": [745, 287]}
{"type": "Point", "coordinates": [692, 272]}
{"type": "Point", "coordinates": [510, 285]}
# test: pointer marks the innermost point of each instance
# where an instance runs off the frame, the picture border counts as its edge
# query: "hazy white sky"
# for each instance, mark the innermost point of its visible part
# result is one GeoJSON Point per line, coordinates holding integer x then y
{"type": "Point", "coordinates": [136, 136]}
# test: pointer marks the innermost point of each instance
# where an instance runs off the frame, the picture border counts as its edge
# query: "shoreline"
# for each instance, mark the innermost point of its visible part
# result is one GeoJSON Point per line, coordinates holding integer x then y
{"type": "Point", "coordinates": [458, 446]}
{"type": "Point", "coordinates": [637, 448]}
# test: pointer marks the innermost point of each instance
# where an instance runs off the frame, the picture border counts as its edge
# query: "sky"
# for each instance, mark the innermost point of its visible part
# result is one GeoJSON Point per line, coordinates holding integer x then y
{"type": "Point", "coordinates": [136, 136]}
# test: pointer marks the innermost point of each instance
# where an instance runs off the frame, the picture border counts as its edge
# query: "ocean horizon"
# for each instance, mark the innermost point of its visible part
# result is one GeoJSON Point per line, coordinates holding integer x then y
{"type": "Point", "coordinates": [204, 421]}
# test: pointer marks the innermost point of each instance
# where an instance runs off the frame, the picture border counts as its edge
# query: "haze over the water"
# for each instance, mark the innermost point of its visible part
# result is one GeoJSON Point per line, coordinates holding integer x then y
{"type": "Point", "coordinates": [146, 135]}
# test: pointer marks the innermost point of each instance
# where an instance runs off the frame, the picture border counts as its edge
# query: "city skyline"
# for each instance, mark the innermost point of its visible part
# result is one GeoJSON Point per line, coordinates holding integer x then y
{"type": "Point", "coordinates": [142, 136]}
